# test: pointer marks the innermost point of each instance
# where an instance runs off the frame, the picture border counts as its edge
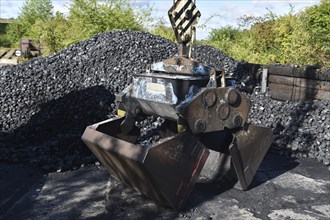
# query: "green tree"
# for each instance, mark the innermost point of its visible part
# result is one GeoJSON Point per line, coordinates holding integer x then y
{"type": "Point", "coordinates": [33, 10]}
{"type": "Point", "coordinates": [300, 38]}
{"type": "Point", "coordinates": [89, 17]}
{"type": "Point", "coordinates": [317, 23]}
{"type": "Point", "coordinates": [224, 38]}
{"type": "Point", "coordinates": [54, 33]}
{"type": "Point", "coordinates": [86, 18]}
{"type": "Point", "coordinates": [4, 38]}
{"type": "Point", "coordinates": [32, 13]}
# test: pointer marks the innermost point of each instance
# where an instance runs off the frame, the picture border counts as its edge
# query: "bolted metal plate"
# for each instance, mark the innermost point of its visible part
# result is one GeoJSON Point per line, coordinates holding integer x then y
{"type": "Point", "coordinates": [209, 111]}
{"type": "Point", "coordinates": [183, 16]}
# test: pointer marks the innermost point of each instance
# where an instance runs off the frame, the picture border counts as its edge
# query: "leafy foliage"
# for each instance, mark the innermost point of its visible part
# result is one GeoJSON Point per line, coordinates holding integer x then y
{"type": "Point", "coordinates": [221, 38]}
{"type": "Point", "coordinates": [317, 23]}
{"type": "Point", "coordinates": [301, 38]}
{"type": "Point", "coordinates": [33, 13]}
{"type": "Point", "coordinates": [4, 38]}
{"type": "Point", "coordinates": [86, 18]}
{"type": "Point", "coordinates": [89, 17]}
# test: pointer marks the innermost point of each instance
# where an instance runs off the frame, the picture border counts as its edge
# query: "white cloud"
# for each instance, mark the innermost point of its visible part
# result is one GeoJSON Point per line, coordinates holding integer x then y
{"type": "Point", "coordinates": [10, 9]}
{"type": "Point", "coordinates": [140, 3]}
{"type": "Point", "coordinates": [61, 6]}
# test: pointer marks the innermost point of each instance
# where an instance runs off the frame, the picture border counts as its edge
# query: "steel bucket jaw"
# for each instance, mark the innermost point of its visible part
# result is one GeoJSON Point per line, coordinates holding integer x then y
{"type": "Point", "coordinates": [165, 171]}
{"type": "Point", "coordinates": [236, 160]}
{"type": "Point", "coordinates": [247, 150]}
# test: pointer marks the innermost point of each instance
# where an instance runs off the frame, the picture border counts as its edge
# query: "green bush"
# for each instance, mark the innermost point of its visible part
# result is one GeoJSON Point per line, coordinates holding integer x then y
{"type": "Point", "coordinates": [89, 17]}
{"type": "Point", "coordinates": [301, 38]}
{"type": "Point", "coordinates": [86, 18]}
{"type": "Point", "coordinates": [5, 41]}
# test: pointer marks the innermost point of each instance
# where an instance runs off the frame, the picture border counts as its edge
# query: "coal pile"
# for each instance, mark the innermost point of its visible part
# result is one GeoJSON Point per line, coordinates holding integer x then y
{"type": "Point", "coordinates": [46, 103]}
{"type": "Point", "coordinates": [300, 129]}
{"type": "Point", "coordinates": [212, 56]}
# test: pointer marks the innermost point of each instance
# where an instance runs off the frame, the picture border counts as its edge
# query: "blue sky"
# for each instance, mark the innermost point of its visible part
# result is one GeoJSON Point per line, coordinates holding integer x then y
{"type": "Point", "coordinates": [224, 12]}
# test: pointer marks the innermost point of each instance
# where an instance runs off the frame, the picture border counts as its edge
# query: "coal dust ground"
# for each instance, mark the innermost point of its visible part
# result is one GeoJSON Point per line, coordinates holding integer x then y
{"type": "Point", "coordinates": [283, 188]}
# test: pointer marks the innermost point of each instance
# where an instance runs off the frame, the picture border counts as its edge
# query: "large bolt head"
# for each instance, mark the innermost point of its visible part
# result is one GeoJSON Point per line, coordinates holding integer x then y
{"type": "Point", "coordinates": [237, 121]}
{"type": "Point", "coordinates": [223, 111]}
{"type": "Point", "coordinates": [200, 125]}
{"type": "Point", "coordinates": [231, 96]}
{"type": "Point", "coordinates": [209, 99]}
{"type": "Point", "coordinates": [188, 15]}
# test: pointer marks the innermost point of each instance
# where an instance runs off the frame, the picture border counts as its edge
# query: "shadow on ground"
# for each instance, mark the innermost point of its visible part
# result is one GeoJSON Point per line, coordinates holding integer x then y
{"type": "Point", "coordinates": [91, 193]}
{"type": "Point", "coordinates": [272, 166]}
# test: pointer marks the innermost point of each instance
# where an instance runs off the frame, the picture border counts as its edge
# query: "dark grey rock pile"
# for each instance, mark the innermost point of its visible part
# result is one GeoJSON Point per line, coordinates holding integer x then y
{"type": "Point", "coordinates": [211, 56]}
{"type": "Point", "coordinates": [45, 104]}
{"type": "Point", "coordinates": [300, 129]}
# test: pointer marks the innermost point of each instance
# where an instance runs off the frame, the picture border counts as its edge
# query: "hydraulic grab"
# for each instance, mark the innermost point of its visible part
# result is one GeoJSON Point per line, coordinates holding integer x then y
{"type": "Point", "coordinates": [204, 137]}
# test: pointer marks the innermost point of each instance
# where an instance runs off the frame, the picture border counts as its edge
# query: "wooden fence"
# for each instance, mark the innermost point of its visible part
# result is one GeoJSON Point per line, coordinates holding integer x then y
{"type": "Point", "coordinates": [298, 83]}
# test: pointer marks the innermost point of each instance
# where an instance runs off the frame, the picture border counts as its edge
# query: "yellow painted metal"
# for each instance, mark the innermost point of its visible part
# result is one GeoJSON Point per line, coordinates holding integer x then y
{"type": "Point", "coordinates": [121, 113]}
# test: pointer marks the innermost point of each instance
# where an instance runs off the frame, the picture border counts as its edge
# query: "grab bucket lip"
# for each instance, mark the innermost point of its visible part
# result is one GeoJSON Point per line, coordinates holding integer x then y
{"type": "Point", "coordinates": [247, 150]}
{"type": "Point", "coordinates": [165, 171]}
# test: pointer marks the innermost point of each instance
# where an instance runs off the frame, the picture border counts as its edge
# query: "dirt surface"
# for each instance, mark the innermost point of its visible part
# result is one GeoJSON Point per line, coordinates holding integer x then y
{"type": "Point", "coordinates": [283, 188]}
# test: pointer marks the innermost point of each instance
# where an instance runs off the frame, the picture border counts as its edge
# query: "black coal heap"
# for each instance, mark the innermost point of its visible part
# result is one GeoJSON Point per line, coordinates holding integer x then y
{"type": "Point", "coordinates": [45, 104]}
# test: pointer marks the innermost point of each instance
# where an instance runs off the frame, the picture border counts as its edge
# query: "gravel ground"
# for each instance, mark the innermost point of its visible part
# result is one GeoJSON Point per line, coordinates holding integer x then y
{"type": "Point", "coordinates": [46, 103]}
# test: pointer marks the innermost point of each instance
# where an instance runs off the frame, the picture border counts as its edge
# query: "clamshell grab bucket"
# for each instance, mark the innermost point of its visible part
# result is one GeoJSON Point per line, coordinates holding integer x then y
{"type": "Point", "coordinates": [165, 171]}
